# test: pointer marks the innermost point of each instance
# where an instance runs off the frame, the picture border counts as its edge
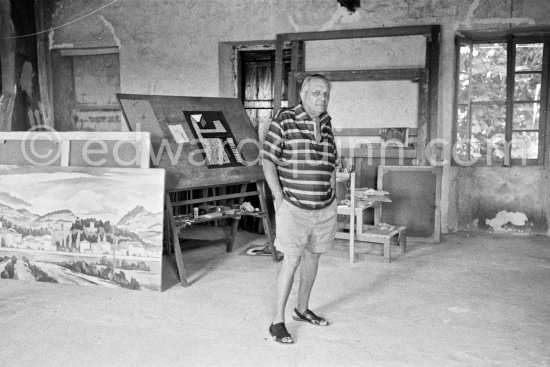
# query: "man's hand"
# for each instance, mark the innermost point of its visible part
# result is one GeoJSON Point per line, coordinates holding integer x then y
{"type": "Point", "coordinates": [278, 201]}
{"type": "Point", "coordinates": [272, 179]}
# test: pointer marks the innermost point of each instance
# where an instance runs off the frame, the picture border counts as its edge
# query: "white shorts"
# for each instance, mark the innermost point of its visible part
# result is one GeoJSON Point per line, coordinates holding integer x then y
{"type": "Point", "coordinates": [299, 229]}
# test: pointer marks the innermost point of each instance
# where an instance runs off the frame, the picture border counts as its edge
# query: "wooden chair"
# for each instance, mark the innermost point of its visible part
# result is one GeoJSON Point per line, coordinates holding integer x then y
{"type": "Point", "coordinates": [364, 232]}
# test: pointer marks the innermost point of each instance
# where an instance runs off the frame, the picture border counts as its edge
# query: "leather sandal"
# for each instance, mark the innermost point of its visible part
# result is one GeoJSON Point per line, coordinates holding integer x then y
{"type": "Point", "coordinates": [309, 316]}
{"type": "Point", "coordinates": [279, 333]}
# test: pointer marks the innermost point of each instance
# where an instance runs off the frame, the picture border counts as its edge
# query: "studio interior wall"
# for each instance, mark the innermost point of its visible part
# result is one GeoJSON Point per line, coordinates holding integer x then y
{"type": "Point", "coordinates": [171, 47]}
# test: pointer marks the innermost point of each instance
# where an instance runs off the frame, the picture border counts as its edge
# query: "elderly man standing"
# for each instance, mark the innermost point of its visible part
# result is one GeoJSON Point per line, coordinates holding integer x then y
{"type": "Point", "coordinates": [299, 161]}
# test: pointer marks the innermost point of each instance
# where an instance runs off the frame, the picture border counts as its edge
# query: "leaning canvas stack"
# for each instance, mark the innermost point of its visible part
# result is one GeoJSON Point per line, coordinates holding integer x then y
{"type": "Point", "coordinates": [98, 225]}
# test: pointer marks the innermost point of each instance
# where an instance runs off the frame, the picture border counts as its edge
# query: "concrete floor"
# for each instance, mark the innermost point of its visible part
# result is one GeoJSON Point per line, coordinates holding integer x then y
{"type": "Point", "coordinates": [473, 300]}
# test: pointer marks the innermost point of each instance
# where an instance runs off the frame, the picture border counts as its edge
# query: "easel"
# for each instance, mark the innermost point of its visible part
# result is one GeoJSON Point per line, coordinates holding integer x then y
{"type": "Point", "coordinates": [160, 114]}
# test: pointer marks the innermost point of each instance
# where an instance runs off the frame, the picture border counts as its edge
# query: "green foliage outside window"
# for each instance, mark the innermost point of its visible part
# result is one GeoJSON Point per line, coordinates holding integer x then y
{"type": "Point", "coordinates": [482, 102]}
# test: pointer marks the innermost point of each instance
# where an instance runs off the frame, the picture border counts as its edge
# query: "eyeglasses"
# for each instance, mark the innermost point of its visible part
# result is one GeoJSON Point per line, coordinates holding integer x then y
{"type": "Point", "coordinates": [318, 93]}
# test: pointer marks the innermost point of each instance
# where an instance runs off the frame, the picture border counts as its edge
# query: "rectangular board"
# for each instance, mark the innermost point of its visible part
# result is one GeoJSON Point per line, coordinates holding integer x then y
{"type": "Point", "coordinates": [83, 226]}
{"type": "Point", "coordinates": [76, 149]}
{"type": "Point", "coordinates": [374, 104]}
{"type": "Point", "coordinates": [223, 146]}
{"type": "Point", "coordinates": [415, 193]}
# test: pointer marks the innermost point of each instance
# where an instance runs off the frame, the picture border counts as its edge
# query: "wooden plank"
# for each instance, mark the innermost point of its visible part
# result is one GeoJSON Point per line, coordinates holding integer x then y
{"type": "Point", "coordinates": [352, 233]}
{"type": "Point", "coordinates": [228, 70]}
{"type": "Point", "coordinates": [510, 62]}
{"type": "Point", "coordinates": [357, 167]}
{"type": "Point", "coordinates": [74, 135]}
{"type": "Point", "coordinates": [65, 152]}
{"type": "Point", "coordinates": [432, 64]}
{"type": "Point", "coordinates": [292, 84]}
{"type": "Point", "coordinates": [216, 197]}
{"type": "Point", "coordinates": [175, 238]}
{"type": "Point", "coordinates": [346, 210]}
{"type": "Point", "coordinates": [356, 132]}
{"type": "Point", "coordinates": [378, 152]}
{"type": "Point", "coordinates": [293, 93]}
{"type": "Point", "coordinates": [44, 75]}
{"type": "Point", "coordinates": [167, 233]}
{"type": "Point", "coordinates": [88, 51]}
{"type": "Point", "coordinates": [500, 34]}
{"type": "Point", "coordinates": [545, 154]}
{"type": "Point", "coordinates": [261, 185]}
{"type": "Point", "coordinates": [363, 75]}
{"type": "Point", "coordinates": [278, 75]}
{"type": "Point", "coordinates": [366, 132]}
{"type": "Point", "coordinates": [76, 149]}
{"type": "Point", "coordinates": [437, 224]}
{"type": "Point", "coordinates": [62, 82]}
{"type": "Point", "coordinates": [376, 237]}
{"type": "Point", "coordinates": [235, 223]}
{"type": "Point", "coordinates": [423, 118]}
{"type": "Point", "coordinates": [144, 146]}
{"type": "Point", "coordinates": [357, 33]}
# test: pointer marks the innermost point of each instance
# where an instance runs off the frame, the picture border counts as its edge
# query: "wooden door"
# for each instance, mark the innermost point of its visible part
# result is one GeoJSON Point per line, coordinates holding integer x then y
{"type": "Point", "coordinates": [256, 86]}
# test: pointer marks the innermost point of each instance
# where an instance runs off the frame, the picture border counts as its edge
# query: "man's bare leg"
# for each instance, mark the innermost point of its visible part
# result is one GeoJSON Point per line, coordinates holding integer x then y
{"type": "Point", "coordinates": [284, 285]}
{"type": "Point", "coordinates": [308, 273]}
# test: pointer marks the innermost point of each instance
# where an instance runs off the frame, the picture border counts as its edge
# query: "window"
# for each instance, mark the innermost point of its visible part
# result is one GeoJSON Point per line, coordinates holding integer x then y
{"type": "Point", "coordinates": [501, 101]}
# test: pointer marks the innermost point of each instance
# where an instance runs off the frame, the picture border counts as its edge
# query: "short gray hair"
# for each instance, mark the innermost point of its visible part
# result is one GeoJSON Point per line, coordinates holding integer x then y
{"type": "Point", "coordinates": [307, 80]}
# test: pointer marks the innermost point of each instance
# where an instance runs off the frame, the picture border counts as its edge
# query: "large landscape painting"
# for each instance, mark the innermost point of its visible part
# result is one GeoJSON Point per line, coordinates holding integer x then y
{"type": "Point", "coordinates": [85, 226]}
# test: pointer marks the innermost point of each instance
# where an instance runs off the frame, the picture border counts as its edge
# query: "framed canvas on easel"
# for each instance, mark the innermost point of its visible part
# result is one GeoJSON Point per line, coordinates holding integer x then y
{"type": "Point", "coordinates": [203, 143]}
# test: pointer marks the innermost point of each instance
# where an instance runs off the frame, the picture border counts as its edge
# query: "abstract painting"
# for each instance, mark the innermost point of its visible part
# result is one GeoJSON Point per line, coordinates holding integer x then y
{"type": "Point", "coordinates": [215, 138]}
{"type": "Point", "coordinates": [84, 226]}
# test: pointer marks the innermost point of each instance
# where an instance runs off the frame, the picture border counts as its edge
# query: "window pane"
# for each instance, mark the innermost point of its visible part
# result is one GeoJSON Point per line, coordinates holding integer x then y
{"type": "Point", "coordinates": [489, 72]}
{"type": "Point", "coordinates": [462, 151]}
{"type": "Point", "coordinates": [525, 145]}
{"type": "Point", "coordinates": [462, 131]}
{"type": "Point", "coordinates": [529, 57]}
{"type": "Point", "coordinates": [526, 116]}
{"type": "Point", "coordinates": [527, 87]}
{"type": "Point", "coordinates": [463, 88]}
{"type": "Point", "coordinates": [488, 127]}
{"type": "Point", "coordinates": [464, 65]}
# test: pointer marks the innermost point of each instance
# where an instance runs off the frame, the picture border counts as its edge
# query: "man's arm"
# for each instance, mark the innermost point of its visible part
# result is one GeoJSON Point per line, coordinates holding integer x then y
{"type": "Point", "coordinates": [272, 179]}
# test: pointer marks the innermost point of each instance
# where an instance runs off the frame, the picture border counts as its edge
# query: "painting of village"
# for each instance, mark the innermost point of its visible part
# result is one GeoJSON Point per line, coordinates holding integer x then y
{"type": "Point", "coordinates": [84, 226]}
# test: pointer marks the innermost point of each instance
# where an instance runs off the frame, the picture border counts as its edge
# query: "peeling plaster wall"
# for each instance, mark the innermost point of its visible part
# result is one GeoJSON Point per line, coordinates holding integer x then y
{"type": "Point", "coordinates": [171, 47]}
{"type": "Point", "coordinates": [501, 199]}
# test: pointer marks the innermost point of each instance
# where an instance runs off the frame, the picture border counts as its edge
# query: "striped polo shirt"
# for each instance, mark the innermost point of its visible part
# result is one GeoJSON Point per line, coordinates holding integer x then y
{"type": "Point", "coordinates": [304, 165]}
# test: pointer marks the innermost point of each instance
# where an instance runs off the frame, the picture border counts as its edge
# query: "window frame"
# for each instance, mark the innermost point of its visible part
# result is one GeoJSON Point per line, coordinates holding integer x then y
{"type": "Point", "coordinates": [511, 42]}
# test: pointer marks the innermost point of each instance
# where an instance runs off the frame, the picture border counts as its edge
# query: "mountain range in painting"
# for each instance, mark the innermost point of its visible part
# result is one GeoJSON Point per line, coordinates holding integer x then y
{"type": "Point", "coordinates": [137, 220]}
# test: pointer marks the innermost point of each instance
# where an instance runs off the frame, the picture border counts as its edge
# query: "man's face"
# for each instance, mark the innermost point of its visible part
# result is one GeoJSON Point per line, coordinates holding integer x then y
{"type": "Point", "coordinates": [315, 98]}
